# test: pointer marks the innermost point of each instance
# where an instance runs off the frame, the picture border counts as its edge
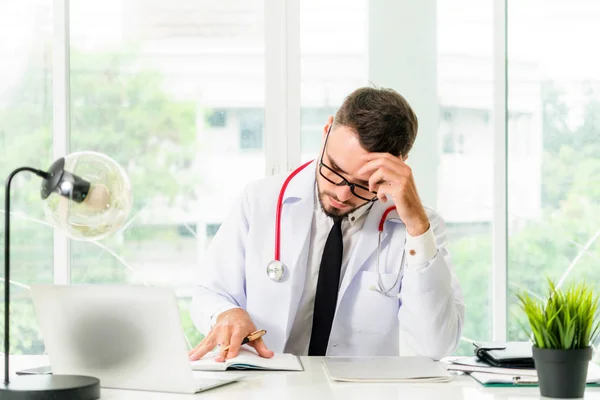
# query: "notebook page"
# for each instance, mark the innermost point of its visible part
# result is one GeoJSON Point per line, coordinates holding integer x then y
{"type": "Point", "coordinates": [249, 359]}
{"type": "Point", "coordinates": [279, 362]}
{"type": "Point", "coordinates": [208, 363]}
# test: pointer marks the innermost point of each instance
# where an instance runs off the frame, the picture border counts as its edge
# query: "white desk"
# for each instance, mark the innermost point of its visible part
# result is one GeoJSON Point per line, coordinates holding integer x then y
{"type": "Point", "coordinates": [312, 384]}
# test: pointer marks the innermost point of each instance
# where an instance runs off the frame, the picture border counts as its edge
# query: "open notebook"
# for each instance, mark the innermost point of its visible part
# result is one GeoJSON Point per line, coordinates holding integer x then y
{"type": "Point", "coordinates": [385, 369]}
{"type": "Point", "coordinates": [248, 359]}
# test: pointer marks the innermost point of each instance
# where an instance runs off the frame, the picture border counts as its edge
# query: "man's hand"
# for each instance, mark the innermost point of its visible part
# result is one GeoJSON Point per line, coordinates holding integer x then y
{"type": "Point", "coordinates": [231, 328]}
{"type": "Point", "coordinates": [391, 177]}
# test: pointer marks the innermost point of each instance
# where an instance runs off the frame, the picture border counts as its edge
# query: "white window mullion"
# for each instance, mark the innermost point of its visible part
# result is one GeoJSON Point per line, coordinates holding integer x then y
{"type": "Point", "coordinates": [61, 123]}
{"type": "Point", "coordinates": [282, 85]}
{"type": "Point", "coordinates": [293, 110]}
{"type": "Point", "coordinates": [500, 184]}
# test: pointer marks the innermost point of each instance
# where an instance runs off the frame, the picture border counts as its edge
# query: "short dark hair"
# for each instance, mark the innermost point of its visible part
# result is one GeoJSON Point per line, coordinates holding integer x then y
{"type": "Point", "coordinates": [382, 119]}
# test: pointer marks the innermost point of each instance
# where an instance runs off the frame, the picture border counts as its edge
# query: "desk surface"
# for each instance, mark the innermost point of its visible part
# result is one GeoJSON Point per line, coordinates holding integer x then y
{"type": "Point", "coordinates": [313, 384]}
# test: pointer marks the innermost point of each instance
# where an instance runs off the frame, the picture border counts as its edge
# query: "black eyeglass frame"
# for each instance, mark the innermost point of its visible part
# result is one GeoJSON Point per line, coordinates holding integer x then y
{"type": "Point", "coordinates": [344, 182]}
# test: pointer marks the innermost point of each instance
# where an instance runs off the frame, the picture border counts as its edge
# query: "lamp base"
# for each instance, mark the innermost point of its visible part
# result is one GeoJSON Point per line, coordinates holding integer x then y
{"type": "Point", "coordinates": [46, 387]}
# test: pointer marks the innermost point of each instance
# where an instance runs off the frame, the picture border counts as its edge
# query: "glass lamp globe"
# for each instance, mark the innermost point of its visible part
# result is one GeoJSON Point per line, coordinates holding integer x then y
{"type": "Point", "coordinates": [106, 201]}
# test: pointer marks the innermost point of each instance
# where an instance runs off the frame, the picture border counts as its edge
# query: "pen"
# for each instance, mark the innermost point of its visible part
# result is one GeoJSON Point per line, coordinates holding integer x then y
{"type": "Point", "coordinates": [253, 336]}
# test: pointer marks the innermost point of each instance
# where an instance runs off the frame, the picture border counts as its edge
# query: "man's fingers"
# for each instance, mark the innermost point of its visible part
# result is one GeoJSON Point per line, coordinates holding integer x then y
{"type": "Point", "coordinates": [261, 348]}
{"type": "Point", "coordinates": [192, 351]}
{"type": "Point", "coordinates": [385, 156]}
{"type": "Point", "coordinates": [203, 342]}
{"type": "Point", "coordinates": [229, 332]}
{"type": "Point", "coordinates": [222, 351]}
{"type": "Point", "coordinates": [204, 347]}
{"type": "Point", "coordinates": [199, 350]}
{"type": "Point", "coordinates": [236, 342]}
{"type": "Point", "coordinates": [383, 176]}
{"type": "Point", "coordinates": [377, 163]}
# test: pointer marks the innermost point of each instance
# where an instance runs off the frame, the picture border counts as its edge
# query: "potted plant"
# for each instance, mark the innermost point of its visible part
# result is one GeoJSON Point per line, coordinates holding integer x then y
{"type": "Point", "coordinates": [562, 328]}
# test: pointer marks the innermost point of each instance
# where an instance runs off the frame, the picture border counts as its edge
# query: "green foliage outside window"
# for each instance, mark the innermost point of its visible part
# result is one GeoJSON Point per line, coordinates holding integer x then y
{"type": "Point", "coordinates": [116, 110]}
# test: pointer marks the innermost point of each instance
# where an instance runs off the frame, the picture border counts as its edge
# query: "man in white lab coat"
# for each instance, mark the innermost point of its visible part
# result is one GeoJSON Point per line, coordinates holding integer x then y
{"type": "Point", "coordinates": [336, 292]}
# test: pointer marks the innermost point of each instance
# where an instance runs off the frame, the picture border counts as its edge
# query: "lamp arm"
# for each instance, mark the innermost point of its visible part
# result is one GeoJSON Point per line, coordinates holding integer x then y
{"type": "Point", "coordinates": [41, 174]}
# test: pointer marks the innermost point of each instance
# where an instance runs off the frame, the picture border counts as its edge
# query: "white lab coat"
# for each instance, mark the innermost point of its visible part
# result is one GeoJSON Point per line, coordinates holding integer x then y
{"type": "Point", "coordinates": [429, 311]}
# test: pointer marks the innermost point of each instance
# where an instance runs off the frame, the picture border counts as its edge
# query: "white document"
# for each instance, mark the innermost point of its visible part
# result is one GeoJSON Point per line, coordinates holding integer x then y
{"type": "Point", "coordinates": [520, 376]}
{"type": "Point", "coordinates": [502, 379]}
{"type": "Point", "coordinates": [487, 374]}
{"type": "Point", "coordinates": [472, 364]}
{"type": "Point", "coordinates": [248, 359]}
{"type": "Point", "coordinates": [385, 369]}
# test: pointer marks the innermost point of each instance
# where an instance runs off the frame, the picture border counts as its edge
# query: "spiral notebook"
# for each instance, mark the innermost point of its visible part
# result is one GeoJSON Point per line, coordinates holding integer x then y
{"type": "Point", "coordinates": [248, 359]}
{"type": "Point", "coordinates": [385, 369]}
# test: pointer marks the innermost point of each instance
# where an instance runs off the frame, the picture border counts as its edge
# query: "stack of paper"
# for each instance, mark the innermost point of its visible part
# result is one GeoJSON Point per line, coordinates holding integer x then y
{"type": "Point", "coordinates": [385, 369]}
{"type": "Point", "coordinates": [492, 376]}
{"type": "Point", "coordinates": [473, 364]}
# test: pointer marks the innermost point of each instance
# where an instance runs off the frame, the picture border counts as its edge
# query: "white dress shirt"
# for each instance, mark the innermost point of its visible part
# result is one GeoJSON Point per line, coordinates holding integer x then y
{"type": "Point", "coordinates": [419, 251]}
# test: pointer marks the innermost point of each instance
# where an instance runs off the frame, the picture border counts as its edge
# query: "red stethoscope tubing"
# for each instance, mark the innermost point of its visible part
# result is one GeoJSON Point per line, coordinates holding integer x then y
{"type": "Point", "coordinates": [384, 216]}
{"type": "Point", "coordinates": [280, 204]}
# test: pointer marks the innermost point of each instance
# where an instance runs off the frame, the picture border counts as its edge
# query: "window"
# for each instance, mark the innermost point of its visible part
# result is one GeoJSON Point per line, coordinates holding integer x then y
{"type": "Point", "coordinates": [333, 62]}
{"type": "Point", "coordinates": [176, 91]}
{"type": "Point", "coordinates": [466, 131]}
{"type": "Point", "coordinates": [554, 229]}
{"type": "Point", "coordinates": [148, 89]}
{"type": "Point", "coordinates": [464, 174]}
{"type": "Point", "coordinates": [453, 143]}
{"type": "Point", "coordinates": [216, 118]}
{"type": "Point", "coordinates": [251, 124]}
{"type": "Point", "coordinates": [313, 122]}
{"type": "Point", "coordinates": [26, 123]}
{"type": "Point", "coordinates": [460, 187]}
{"type": "Point", "coordinates": [211, 230]}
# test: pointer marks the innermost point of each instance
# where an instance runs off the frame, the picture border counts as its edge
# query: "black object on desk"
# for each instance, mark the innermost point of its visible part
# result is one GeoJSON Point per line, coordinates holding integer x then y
{"type": "Point", "coordinates": [505, 355]}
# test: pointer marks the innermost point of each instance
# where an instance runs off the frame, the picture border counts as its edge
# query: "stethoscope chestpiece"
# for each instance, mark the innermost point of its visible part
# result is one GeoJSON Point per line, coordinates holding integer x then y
{"type": "Point", "coordinates": [275, 270]}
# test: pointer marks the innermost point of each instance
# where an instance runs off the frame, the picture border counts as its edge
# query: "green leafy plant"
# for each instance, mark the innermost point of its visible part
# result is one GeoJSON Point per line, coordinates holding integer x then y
{"type": "Point", "coordinates": [566, 320]}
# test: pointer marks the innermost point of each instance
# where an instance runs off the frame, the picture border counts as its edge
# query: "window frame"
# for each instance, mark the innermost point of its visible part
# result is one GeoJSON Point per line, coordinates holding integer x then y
{"type": "Point", "coordinates": [283, 135]}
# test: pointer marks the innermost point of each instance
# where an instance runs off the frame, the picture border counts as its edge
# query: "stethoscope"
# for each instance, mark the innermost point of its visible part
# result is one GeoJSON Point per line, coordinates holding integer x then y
{"type": "Point", "coordinates": [276, 269]}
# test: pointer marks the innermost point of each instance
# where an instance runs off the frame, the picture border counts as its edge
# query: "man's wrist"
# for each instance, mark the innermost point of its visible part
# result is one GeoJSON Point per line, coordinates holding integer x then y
{"type": "Point", "coordinates": [417, 227]}
{"type": "Point", "coordinates": [420, 249]}
{"type": "Point", "coordinates": [215, 317]}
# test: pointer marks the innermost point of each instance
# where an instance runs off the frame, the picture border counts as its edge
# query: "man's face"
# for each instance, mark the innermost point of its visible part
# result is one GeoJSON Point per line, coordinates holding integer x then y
{"type": "Point", "coordinates": [344, 155]}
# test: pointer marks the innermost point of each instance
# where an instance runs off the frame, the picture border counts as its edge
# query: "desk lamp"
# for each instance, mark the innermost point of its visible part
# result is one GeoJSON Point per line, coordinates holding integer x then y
{"type": "Point", "coordinates": [88, 196]}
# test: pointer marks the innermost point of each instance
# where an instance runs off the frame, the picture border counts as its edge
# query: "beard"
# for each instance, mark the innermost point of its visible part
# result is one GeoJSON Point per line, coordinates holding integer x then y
{"type": "Point", "coordinates": [332, 212]}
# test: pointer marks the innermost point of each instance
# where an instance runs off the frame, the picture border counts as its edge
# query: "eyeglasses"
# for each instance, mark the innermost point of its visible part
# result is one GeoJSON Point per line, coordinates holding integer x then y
{"type": "Point", "coordinates": [331, 176]}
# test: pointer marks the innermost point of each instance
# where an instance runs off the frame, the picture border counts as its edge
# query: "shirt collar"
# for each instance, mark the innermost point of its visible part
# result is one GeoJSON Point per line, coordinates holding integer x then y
{"type": "Point", "coordinates": [353, 217]}
{"type": "Point", "coordinates": [359, 213]}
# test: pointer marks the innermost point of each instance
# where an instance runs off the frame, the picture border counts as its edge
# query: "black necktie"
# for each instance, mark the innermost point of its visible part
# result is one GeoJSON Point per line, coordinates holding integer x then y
{"type": "Point", "coordinates": [327, 290]}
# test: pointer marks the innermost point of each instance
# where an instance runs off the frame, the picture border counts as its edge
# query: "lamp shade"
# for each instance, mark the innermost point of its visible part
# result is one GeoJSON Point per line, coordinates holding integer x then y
{"type": "Point", "coordinates": [87, 195]}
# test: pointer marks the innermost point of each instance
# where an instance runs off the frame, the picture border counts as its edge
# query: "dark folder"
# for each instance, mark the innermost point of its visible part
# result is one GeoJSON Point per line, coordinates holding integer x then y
{"type": "Point", "coordinates": [505, 355]}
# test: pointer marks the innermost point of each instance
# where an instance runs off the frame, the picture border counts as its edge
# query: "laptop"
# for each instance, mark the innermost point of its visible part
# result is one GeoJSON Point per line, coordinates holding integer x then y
{"type": "Point", "coordinates": [128, 337]}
